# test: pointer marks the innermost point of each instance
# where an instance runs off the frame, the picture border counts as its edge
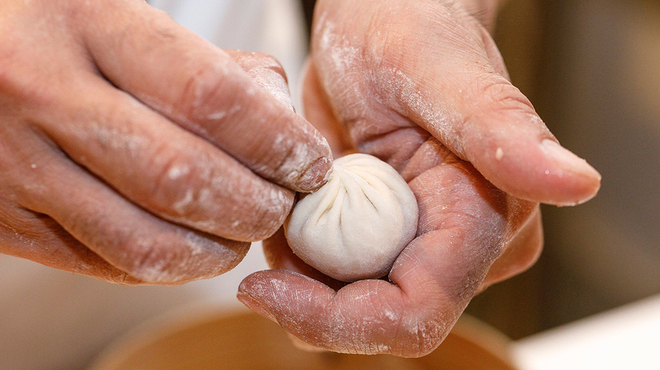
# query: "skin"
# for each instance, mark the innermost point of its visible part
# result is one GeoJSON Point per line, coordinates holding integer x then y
{"type": "Point", "coordinates": [135, 152]}
{"type": "Point", "coordinates": [421, 85]}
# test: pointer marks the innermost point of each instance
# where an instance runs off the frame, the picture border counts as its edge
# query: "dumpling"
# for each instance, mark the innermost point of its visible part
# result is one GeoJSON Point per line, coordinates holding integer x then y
{"type": "Point", "coordinates": [355, 226]}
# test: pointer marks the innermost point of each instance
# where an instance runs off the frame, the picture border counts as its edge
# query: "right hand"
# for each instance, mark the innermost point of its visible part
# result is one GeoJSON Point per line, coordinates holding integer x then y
{"type": "Point", "coordinates": [421, 85]}
{"type": "Point", "coordinates": [133, 151]}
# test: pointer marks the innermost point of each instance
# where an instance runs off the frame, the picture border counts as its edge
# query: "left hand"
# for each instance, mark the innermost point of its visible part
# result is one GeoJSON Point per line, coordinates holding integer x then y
{"type": "Point", "coordinates": [134, 151]}
{"type": "Point", "coordinates": [421, 85]}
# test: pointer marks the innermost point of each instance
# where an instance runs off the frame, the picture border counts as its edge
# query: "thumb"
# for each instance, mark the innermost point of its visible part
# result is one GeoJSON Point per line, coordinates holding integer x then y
{"type": "Point", "coordinates": [478, 114]}
{"type": "Point", "coordinates": [433, 65]}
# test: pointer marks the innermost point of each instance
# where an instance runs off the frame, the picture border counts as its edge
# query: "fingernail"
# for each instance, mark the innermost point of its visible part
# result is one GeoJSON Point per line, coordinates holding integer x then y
{"type": "Point", "coordinates": [316, 175]}
{"type": "Point", "coordinates": [255, 306]}
{"type": "Point", "coordinates": [567, 160]}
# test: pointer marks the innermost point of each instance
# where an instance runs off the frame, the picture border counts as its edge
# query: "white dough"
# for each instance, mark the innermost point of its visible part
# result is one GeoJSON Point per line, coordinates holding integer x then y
{"type": "Point", "coordinates": [356, 225]}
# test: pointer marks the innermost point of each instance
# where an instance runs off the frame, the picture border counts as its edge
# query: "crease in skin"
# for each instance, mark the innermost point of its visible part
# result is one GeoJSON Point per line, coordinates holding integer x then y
{"type": "Point", "coordinates": [264, 70]}
{"type": "Point", "coordinates": [487, 226]}
{"type": "Point", "coordinates": [274, 83]}
{"type": "Point", "coordinates": [342, 325]}
{"type": "Point", "coordinates": [168, 110]}
{"type": "Point", "coordinates": [341, 335]}
{"type": "Point", "coordinates": [481, 232]}
{"type": "Point", "coordinates": [427, 334]}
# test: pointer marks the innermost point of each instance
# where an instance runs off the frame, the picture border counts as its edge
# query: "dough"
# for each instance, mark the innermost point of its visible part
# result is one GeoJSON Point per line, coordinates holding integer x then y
{"type": "Point", "coordinates": [356, 225]}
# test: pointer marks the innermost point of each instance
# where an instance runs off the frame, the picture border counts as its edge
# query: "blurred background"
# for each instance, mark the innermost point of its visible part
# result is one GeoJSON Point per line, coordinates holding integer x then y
{"type": "Point", "coordinates": [592, 70]}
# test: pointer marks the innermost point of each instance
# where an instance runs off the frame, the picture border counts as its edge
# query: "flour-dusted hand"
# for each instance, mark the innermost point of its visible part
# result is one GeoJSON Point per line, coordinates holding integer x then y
{"type": "Point", "coordinates": [420, 84]}
{"type": "Point", "coordinates": [134, 151]}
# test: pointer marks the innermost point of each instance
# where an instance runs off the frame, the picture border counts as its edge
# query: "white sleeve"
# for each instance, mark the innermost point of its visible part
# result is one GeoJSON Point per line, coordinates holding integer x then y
{"type": "Point", "coordinates": [274, 27]}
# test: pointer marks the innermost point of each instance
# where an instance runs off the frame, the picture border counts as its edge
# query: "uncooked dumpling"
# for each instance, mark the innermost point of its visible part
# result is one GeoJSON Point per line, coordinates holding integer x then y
{"type": "Point", "coordinates": [356, 225]}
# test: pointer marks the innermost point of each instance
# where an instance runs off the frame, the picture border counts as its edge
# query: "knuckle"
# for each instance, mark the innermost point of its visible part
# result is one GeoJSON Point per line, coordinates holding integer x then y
{"type": "Point", "coordinates": [200, 87]}
{"type": "Point", "coordinates": [269, 61]}
{"type": "Point", "coordinates": [20, 86]}
{"type": "Point", "coordinates": [211, 92]}
{"type": "Point", "coordinates": [172, 190]}
{"type": "Point", "coordinates": [488, 98]}
{"type": "Point", "coordinates": [267, 73]}
{"type": "Point", "coordinates": [254, 61]}
{"type": "Point", "coordinates": [499, 94]}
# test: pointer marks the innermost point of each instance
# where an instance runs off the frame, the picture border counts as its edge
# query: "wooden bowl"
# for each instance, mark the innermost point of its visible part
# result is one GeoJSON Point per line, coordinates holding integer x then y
{"type": "Point", "coordinates": [221, 340]}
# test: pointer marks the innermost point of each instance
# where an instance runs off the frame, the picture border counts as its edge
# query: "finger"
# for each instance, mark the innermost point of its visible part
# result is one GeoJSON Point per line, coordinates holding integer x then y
{"type": "Point", "coordinates": [160, 166]}
{"type": "Point", "coordinates": [452, 89]}
{"type": "Point", "coordinates": [127, 237]}
{"type": "Point", "coordinates": [432, 280]}
{"type": "Point", "coordinates": [198, 86]}
{"type": "Point", "coordinates": [38, 238]}
{"type": "Point", "coordinates": [493, 126]}
{"type": "Point", "coordinates": [266, 72]}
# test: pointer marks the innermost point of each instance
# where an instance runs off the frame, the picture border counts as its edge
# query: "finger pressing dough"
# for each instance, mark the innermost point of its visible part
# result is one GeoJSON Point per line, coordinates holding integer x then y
{"type": "Point", "coordinates": [356, 225]}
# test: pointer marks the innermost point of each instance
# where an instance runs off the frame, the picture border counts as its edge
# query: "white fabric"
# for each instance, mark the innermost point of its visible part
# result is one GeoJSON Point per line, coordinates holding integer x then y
{"type": "Point", "coordinates": [51, 319]}
{"type": "Point", "coordinates": [274, 27]}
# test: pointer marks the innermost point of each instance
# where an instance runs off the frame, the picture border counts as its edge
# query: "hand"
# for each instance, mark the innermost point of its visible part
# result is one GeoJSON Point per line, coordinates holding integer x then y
{"type": "Point", "coordinates": [134, 151]}
{"type": "Point", "coordinates": [421, 85]}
